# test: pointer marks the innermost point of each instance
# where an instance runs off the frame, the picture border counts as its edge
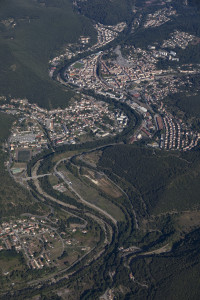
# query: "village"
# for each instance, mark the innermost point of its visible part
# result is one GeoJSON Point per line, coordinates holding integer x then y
{"type": "Point", "coordinates": [41, 240]}
{"type": "Point", "coordinates": [88, 117]}
{"type": "Point", "coordinates": [179, 39]}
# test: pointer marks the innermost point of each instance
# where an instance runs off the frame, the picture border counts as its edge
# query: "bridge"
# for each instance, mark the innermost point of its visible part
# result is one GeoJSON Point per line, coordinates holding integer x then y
{"type": "Point", "coordinates": [36, 177]}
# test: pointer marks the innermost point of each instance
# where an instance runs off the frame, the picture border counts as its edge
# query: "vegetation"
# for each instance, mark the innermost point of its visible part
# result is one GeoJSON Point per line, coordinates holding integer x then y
{"type": "Point", "coordinates": [105, 12]}
{"type": "Point", "coordinates": [195, 3]}
{"type": "Point", "coordinates": [42, 29]}
{"type": "Point", "coordinates": [163, 181]}
{"type": "Point", "coordinates": [157, 185]}
{"type": "Point", "coordinates": [186, 104]}
{"type": "Point", "coordinates": [14, 200]}
{"type": "Point", "coordinates": [173, 275]}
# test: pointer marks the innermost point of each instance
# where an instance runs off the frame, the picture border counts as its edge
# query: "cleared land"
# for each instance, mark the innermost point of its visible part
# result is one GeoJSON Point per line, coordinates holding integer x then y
{"type": "Point", "coordinates": [90, 194]}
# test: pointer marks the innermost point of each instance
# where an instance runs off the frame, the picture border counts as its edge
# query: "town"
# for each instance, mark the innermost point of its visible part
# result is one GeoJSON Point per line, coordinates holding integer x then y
{"type": "Point", "coordinates": [131, 75]}
{"type": "Point", "coordinates": [36, 128]}
{"type": "Point", "coordinates": [105, 35]}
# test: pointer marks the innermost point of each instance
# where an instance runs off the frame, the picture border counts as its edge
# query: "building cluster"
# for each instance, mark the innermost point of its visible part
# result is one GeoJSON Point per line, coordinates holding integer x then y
{"type": "Point", "coordinates": [84, 39]}
{"type": "Point", "coordinates": [118, 27]}
{"type": "Point", "coordinates": [162, 87]}
{"type": "Point", "coordinates": [156, 90]}
{"type": "Point", "coordinates": [147, 128]}
{"type": "Point", "coordinates": [36, 238]}
{"type": "Point", "coordinates": [136, 66]}
{"type": "Point", "coordinates": [60, 187]}
{"type": "Point", "coordinates": [85, 75]}
{"type": "Point", "coordinates": [176, 134]}
{"type": "Point", "coordinates": [114, 75]}
{"type": "Point", "coordinates": [26, 132]}
{"type": "Point", "coordinates": [25, 235]}
{"type": "Point", "coordinates": [159, 17]}
{"type": "Point", "coordinates": [160, 53]}
{"type": "Point", "coordinates": [10, 22]}
{"type": "Point", "coordinates": [139, 66]}
{"type": "Point", "coordinates": [179, 39]}
{"type": "Point", "coordinates": [86, 117]}
{"type": "Point", "coordinates": [105, 35]}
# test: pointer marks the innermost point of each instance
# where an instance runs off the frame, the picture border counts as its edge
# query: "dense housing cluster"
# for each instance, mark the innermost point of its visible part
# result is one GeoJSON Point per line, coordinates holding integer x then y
{"type": "Point", "coordinates": [105, 35]}
{"type": "Point", "coordinates": [179, 39]}
{"type": "Point", "coordinates": [159, 17]}
{"type": "Point", "coordinates": [36, 128]}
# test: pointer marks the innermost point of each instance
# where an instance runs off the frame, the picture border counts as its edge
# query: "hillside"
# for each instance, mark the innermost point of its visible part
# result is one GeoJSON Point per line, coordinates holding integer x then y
{"type": "Point", "coordinates": [106, 12]}
{"type": "Point", "coordinates": [31, 33]}
{"type": "Point", "coordinates": [165, 181]}
{"type": "Point", "coordinates": [172, 275]}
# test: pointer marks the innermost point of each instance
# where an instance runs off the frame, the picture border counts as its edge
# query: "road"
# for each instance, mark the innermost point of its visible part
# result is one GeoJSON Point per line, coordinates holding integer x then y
{"type": "Point", "coordinates": [123, 192]}
{"type": "Point", "coordinates": [70, 186]}
{"type": "Point", "coordinates": [35, 177]}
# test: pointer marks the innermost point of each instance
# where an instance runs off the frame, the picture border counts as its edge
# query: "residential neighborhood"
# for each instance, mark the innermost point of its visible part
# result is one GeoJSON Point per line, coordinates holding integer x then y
{"type": "Point", "coordinates": [40, 240]}
{"type": "Point", "coordinates": [159, 17]}
{"type": "Point", "coordinates": [36, 128]}
{"type": "Point", "coordinates": [132, 76]}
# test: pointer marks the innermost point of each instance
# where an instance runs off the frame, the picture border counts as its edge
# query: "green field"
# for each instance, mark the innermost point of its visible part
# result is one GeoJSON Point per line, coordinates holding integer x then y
{"type": "Point", "coordinates": [23, 155]}
{"type": "Point", "coordinates": [78, 65]}
{"type": "Point", "coordinates": [42, 29]}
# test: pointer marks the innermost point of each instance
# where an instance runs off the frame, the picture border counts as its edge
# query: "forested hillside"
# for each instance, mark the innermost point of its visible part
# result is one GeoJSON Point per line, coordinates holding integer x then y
{"type": "Point", "coordinates": [31, 33]}
{"type": "Point", "coordinates": [165, 181]}
{"type": "Point", "coordinates": [173, 275]}
{"type": "Point", "coordinates": [107, 12]}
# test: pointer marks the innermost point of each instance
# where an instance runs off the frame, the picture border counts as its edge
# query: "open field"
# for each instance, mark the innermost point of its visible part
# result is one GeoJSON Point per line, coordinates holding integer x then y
{"type": "Point", "coordinates": [102, 183]}
{"type": "Point", "coordinates": [9, 261]}
{"type": "Point", "coordinates": [92, 157]}
{"type": "Point", "coordinates": [92, 195]}
{"type": "Point", "coordinates": [188, 220]}
{"type": "Point", "coordinates": [66, 155]}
